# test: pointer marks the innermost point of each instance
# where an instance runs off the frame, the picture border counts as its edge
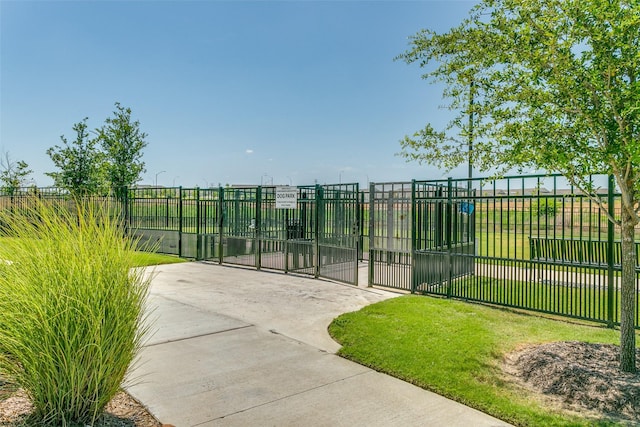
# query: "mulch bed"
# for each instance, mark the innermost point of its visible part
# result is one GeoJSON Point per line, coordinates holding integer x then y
{"type": "Point", "coordinates": [580, 377]}
{"type": "Point", "coordinates": [122, 411]}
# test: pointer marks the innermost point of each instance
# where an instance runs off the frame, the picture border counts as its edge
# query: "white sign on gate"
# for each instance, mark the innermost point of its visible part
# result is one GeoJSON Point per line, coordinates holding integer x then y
{"type": "Point", "coordinates": [286, 197]}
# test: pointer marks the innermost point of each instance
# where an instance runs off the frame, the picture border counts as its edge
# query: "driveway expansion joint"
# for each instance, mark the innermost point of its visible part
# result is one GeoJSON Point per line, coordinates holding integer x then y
{"type": "Point", "coordinates": [199, 336]}
{"type": "Point", "coordinates": [368, 371]}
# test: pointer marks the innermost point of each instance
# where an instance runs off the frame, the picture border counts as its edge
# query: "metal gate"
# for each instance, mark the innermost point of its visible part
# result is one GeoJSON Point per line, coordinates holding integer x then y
{"type": "Point", "coordinates": [338, 234]}
{"type": "Point", "coordinates": [256, 233]}
{"type": "Point", "coordinates": [319, 237]}
{"type": "Point", "coordinates": [301, 241]}
{"type": "Point", "coordinates": [421, 235]}
{"type": "Point", "coordinates": [443, 237]}
{"type": "Point", "coordinates": [238, 234]}
{"type": "Point", "coordinates": [390, 235]}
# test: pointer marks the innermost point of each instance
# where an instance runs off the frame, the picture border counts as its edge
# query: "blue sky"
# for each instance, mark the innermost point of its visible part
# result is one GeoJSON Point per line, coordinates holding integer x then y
{"type": "Point", "coordinates": [238, 92]}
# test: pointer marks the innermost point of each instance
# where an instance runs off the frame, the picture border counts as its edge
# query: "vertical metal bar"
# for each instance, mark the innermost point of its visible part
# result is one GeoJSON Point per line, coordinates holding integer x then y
{"type": "Point", "coordinates": [166, 208]}
{"type": "Point", "coordinates": [127, 213]}
{"type": "Point", "coordinates": [360, 221]}
{"type": "Point", "coordinates": [180, 212]}
{"type": "Point", "coordinates": [236, 214]}
{"type": "Point", "coordinates": [610, 243]}
{"type": "Point", "coordinates": [221, 220]}
{"type": "Point", "coordinates": [414, 278]}
{"type": "Point", "coordinates": [448, 230]}
{"type": "Point", "coordinates": [286, 241]}
{"type": "Point", "coordinates": [355, 234]}
{"type": "Point", "coordinates": [502, 226]}
{"type": "Point", "coordinates": [522, 222]}
{"type": "Point", "coordinates": [198, 236]}
{"type": "Point", "coordinates": [319, 227]}
{"type": "Point", "coordinates": [389, 221]}
{"type": "Point", "coordinates": [257, 236]}
{"type": "Point", "coordinates": [372, 214]}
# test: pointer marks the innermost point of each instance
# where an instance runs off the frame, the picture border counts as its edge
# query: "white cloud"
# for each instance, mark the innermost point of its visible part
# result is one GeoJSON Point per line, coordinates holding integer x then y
{"type": "Point", "coordinates": [249, 151]}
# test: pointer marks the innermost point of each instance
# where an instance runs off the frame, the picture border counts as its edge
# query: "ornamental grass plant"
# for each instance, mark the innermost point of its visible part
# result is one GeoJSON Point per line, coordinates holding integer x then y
{"type": "Point", "coordinates": [72, 308]}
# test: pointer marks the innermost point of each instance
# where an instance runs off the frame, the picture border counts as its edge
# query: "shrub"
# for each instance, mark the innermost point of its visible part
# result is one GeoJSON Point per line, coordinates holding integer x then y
{"type": "Point", "coordinates": [72, 309]}
{"type": "Point", "coordinates": [544, 207]}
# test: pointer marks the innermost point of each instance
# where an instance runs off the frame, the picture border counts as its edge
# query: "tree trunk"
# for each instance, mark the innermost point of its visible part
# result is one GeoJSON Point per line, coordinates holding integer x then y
{"type": "Point", "coordinates": [628, 295]}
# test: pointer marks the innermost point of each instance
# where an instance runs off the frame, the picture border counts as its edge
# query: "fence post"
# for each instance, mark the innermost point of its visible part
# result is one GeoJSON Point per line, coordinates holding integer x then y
{"type": "Point", "coordinates": [359, 221]}
{"type": "Point", "coordinates": [448, 231]}
{"type": "Point", "coordinates": [610, 261]}
{"type": "Point", "coordinates": [127, 213]}
{"type": "Point", "coordinates": [357, 232]}
{"type": "Point", "coordinates": [221, 220]}
{"type": "Point", "coordinates": [258, 227]}
{"type": "Point", "coordinates": [180, 223]}
{"type": "Point", "coordinates": [372, 260]}
{"type": "Point", "coordinates": [319, 228]}
{"type": "Point", "coordinates": [286, 240]}
{"type": "Point", "coordinates": [414, 276]}
{"type": "Point", "coordinates": [198, 236]}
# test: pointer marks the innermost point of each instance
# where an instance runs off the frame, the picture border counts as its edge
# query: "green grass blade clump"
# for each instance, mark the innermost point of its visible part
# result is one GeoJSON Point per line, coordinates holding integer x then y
{"type": "Point", "coordinates": [72, 308]}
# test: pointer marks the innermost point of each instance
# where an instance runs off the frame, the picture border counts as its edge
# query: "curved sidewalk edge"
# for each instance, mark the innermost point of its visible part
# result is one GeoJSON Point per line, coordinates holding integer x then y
{"type": "Point", "coordinates": [239, 347]}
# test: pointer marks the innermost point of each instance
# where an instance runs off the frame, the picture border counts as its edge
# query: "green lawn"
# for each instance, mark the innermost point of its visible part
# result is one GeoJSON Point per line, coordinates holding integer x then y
{"type": "Point", "coordinates": [455, 349]}
{"type": "Point", "coordinates": [143, 259]}
{"type": "Point", "coordinates": [503, 245]}
{"type": "Point", "coordinates": [587, 302]}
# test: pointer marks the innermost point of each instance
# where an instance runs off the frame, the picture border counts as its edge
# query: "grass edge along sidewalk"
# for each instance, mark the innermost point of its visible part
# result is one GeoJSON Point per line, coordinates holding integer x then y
{"type": "Point", "coordinates": [149, 259]}
{"type": "Point", "coordinates": [455, 349]}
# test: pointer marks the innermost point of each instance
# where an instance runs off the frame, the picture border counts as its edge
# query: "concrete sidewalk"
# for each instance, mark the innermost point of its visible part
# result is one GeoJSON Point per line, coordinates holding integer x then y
{"type": "Point", "coordinates": [239, 347]}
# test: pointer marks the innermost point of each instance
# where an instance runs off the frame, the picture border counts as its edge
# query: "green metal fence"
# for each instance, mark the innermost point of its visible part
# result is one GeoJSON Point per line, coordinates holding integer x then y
{"type": "Point", "coordinates": [153, 216]}
{"type": "Point", "coordinates": [531, 242]}
{"type": "Point", "coordinates": [543, 245]}
{"type": "Point", "coordinates": [320, 236]}
{"type": "Point", "coordinates": [21, 197]}
{"type": "Point", "coordinates": [414, 228]}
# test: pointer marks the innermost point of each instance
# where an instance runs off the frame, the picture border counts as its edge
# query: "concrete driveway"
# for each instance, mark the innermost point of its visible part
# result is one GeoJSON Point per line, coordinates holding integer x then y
{"type": "Point", "coordinates": [240, 347]}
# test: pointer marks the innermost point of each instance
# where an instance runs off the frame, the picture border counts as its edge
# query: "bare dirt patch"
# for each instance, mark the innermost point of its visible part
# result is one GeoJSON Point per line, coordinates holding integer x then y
{"type": "Point", "coordinates": [579, 377]}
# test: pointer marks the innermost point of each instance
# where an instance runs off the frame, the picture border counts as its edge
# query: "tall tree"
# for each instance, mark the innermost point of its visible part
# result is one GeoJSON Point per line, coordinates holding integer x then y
{"type": "Point", "coordinates": [557, 88]}
{"type": "Point", "coordinates": [122, 143]}
{"type": "Point", "coordinates": [80, 164]}
{"type": "Point", "coordinates": [13, 174]}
